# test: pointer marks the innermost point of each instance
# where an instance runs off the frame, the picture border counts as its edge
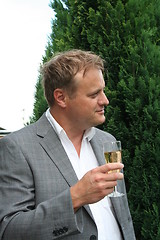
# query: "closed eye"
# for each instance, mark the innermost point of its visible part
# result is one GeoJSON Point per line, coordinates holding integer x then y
{"type": "Point", "coordinates": [95, 94]}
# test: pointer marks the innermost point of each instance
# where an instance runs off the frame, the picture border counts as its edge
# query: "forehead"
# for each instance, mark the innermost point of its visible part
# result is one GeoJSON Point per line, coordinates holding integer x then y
{"type": "Point", "coordinates": [92, 76]}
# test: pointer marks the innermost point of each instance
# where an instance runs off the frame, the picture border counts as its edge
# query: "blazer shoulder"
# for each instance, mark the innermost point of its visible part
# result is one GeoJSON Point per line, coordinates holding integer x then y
{"type": "Point", "coordinates": [103, 135]}
{"type": "Point", "coordinates": [40, 127]}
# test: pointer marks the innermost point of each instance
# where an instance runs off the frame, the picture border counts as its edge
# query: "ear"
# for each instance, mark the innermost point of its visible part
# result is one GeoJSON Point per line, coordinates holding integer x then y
{"type": "Point", "coordinates": [60, 97]}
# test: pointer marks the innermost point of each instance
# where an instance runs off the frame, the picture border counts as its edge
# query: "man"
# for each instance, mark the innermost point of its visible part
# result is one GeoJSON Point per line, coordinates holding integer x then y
{"type": "Point", "coordinates": [54, 180]}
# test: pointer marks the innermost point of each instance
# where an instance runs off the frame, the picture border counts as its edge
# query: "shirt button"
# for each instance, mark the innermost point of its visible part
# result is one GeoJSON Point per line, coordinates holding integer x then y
{"type": "Point", "coordinates": [93, 237]}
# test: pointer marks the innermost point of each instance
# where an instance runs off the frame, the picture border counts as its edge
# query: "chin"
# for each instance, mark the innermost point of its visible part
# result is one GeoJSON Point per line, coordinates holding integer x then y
{"type": "Point", "coordinates": [99, 122]}
{"type": "Point", "coordinates": [102, 120]}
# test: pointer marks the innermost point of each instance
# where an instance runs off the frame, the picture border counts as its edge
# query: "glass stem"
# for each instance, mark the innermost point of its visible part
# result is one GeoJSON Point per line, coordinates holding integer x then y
{"type": "Point", "coordinates": [115, 189]}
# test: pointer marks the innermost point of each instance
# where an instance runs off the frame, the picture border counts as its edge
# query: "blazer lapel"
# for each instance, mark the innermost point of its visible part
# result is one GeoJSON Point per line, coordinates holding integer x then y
{"type": "Point", "coordinates": [97, 146]}
{"type": "Point", "coordinates": [53, 147]}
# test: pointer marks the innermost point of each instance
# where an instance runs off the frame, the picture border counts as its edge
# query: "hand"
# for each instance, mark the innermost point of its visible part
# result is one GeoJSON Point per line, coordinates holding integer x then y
{"type": "Point", "coordinates": [95, 184]}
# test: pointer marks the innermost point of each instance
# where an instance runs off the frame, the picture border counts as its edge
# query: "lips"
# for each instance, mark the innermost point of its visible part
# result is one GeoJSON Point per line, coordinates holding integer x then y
{"type": "Point", "coordinates": [100, 111]}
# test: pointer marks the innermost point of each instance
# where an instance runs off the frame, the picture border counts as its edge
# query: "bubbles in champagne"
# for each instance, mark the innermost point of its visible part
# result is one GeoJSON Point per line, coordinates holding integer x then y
{"type": "Point", "coordinates": [113, 157]}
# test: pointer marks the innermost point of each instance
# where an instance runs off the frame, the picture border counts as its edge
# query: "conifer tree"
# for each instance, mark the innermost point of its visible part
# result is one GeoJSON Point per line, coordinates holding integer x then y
{"type": "Point", "coordinates": [135, 109]}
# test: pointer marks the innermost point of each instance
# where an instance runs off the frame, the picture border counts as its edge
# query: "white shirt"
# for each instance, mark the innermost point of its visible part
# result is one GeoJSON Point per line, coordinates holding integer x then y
{"type": "Point", "coordinates": [106, 223]}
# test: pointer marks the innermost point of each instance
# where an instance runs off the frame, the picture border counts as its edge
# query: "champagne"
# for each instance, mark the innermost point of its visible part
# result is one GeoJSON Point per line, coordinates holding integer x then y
{"type": "Point", "coordinates": [112, 153]}
{"type": "Point", "coordinates": [113, 157]}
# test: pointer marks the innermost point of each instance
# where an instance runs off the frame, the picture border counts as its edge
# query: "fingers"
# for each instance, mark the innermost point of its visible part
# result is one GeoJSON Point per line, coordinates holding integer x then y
{"type": "Point", "coordinates": [105, 176]}
{"type": "Point", "coordinates": [111, 167]}
{"type": "Point", "coordinates": [96, 184]}
{"type": "Point", "coordinates": [114, 176]}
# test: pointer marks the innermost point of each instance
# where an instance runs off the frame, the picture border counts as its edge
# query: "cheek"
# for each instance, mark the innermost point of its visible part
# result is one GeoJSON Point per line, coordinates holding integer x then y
{"type": "Point", "coordinates": [86, 106]}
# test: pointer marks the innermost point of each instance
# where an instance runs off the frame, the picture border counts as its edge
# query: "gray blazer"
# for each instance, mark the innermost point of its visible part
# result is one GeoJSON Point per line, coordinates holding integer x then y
{"type": "Point", "coordinates": [35, 180]}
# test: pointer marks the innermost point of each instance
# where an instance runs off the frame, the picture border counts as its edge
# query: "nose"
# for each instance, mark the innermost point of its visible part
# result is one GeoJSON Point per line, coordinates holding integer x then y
{"type": "Point", "coordinates": [106, 101]}
{"type": "Point", "coordinates": [103, 100]}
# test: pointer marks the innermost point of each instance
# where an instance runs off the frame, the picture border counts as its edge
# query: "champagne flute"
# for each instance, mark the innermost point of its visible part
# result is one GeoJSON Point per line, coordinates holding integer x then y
{"type": "Point", "coordinates": [112, 152]}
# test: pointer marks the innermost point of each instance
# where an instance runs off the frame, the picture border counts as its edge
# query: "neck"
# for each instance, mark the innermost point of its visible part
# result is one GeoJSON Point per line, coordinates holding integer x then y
{"type": "Point", "coordinates": [74, 133]}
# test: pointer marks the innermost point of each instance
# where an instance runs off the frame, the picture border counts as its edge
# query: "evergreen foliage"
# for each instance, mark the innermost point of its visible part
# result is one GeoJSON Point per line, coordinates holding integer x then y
{"type": "Point", "coordinates": [40, 104]}
{"type": "Point", "coordinates": [126, 33]}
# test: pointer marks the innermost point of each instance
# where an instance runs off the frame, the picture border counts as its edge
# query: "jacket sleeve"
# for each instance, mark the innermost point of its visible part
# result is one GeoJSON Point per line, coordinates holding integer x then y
{"type": "Point", "coordinates": [20, 217]}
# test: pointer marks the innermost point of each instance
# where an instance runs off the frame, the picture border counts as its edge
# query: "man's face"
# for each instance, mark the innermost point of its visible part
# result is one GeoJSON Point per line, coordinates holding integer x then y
{"type": "Point", "coordinates": [86, 108]}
